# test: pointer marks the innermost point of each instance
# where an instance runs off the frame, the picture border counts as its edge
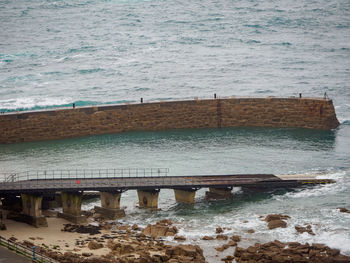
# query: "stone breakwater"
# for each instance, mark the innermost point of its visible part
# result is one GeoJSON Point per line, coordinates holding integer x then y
{"type": "Point", "coordinates": [311, 113]}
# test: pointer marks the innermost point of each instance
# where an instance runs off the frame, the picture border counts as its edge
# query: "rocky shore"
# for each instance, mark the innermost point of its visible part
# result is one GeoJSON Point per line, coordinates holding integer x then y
{"type": "Point", "coordinates": [111, 242]}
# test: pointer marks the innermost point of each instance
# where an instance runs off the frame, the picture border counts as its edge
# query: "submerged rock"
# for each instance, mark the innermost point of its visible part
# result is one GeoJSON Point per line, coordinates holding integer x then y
{"type": "Point", "coordinates": [343, 210]}
{"type": "Point", "coordinates": [303, 229]}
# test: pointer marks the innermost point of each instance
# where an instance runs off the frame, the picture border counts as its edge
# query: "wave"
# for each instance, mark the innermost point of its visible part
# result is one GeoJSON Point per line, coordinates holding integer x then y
{"type": "Point", "coordinates": [37, 103]}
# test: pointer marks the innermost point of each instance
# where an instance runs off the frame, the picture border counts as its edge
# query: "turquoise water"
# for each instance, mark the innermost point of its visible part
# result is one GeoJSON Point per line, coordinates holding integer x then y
{"type": "Point", "coordinates": [54, 53]}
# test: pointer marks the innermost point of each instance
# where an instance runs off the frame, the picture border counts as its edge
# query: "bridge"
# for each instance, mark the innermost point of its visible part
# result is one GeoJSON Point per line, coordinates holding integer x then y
{"type": "Point", "coordinates": [34, 186]}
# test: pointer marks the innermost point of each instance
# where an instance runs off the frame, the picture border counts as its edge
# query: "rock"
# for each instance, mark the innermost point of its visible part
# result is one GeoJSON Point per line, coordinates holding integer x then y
{"type": "Point", "coordinates": [222, 248]}
{"type": "Point", "coordinates": [343, 210]}
{"type": "Point", "coordinates": [221, 237]}
{"type": "Point", "coordinates": [232, 243]}
{"type": "Point", "coordinates": [236, 238]}
{"type": "Point", "coordinates": [92, 230]}
{"type": "Point", "coordinates": [135, 227]}
{"type": "Point", "coordinates": [219, 230]}
{"type": "Point", "coordinates": [161, 228]}
{"type": "Point", "coordinates": [250, 231]}
{"type": "Point", "coordinates": [307, 229]}
{"type": "Point", "coordinates": [86, 254]}
{"type": "Point", "coordinates": [277, 223]}
{"type": "Point", "coordinates": [165, 222]}
{"type": "Point", "coordinates": [185, 253]}
{"type": "Point", "coordinates": [277, 251]}
{"type": "Point", "coordinates": [180, 238]}
{"type": "Point", "coordinates": [272, 217]}
{"type": "Point", "coordinates": [228, 259]}
{"type": "Point", "coordinates": [207, 238]}
{"type": "Point", "coordinates": [94, 245]}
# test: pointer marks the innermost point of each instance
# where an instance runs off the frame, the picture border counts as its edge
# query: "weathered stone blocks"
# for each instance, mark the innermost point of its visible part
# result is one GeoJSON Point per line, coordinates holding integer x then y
{"type": "Point", "coordinates": [311, 113]}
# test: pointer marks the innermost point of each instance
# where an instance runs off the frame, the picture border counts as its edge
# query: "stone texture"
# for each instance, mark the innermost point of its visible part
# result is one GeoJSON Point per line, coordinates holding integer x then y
{"type": "Point", "coordinates": [148, 199]}
{"type": "Point", "coordinates": [185, 196]}
{"type": "Point", "coordinates": [312, 113]}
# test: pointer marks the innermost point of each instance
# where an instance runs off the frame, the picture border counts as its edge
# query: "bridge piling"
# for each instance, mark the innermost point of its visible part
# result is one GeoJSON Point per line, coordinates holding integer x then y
{"type": "Point", "coordinates": [71, 206]}
{"type": "Point", "coordinates": [31, 210]}
{"type": "Point", "coordinates": [215, 193]}
{"type": "Point", "coordinates": [148, 198]}
{"type": "Point", "coordinates": [110, 205]}
{"type": "Point", "coordinates": [185, 195]}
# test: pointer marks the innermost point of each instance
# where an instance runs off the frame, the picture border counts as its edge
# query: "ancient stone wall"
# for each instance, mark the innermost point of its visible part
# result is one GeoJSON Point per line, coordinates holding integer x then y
{"type": "Point", "coordinates": [310, 113]}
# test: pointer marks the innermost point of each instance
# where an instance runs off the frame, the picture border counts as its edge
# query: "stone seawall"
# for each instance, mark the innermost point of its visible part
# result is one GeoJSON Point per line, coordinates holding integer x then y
{"type": "Point", "coordinates": [312, 113]}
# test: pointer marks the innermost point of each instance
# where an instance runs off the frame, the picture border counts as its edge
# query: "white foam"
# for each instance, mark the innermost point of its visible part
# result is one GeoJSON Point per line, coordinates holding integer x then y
{"type": "Point", "coordinates": [31, 102]}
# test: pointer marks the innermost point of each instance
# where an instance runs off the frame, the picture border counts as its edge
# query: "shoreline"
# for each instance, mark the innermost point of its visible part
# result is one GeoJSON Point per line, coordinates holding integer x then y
{"type": "Point", "coordinates": [156, 240]}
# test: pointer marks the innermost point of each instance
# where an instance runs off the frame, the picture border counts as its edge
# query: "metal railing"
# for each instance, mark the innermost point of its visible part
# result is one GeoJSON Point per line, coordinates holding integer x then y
{"type": "Point", "coordinates": [25, 251]}
{"type": "Point", "coordinates": [82, 174]}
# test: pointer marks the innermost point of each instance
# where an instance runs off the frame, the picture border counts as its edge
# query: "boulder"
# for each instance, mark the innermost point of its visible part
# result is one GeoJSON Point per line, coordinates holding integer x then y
{"type": "Point", "coordinates": [272, 217]}
{"type": "Point", "coordinates": [302, 229]}
{"type": "Point", "coordinates": [236, 238]}
{"type": "Point", "coordinates": [207, 238]}
{"type": "Point", "coordinates": [277, 223]}
{"type": "Point", "coordinates": [222, 248]}
{"type": "Point", "coordinates": [277, 251]}
{"type": "Point", "coordinates": [179, 238]}
{"type": "Point", "coordinates": [222, 237]}
{"type": "Point", "coordinates": [185, 253]}
{"type": "Point", "coordinates": [219, 230]}
{"type": "Point", "coordinates": [94, 245]}
{"type": "Point", "coordinates": [343, 210]}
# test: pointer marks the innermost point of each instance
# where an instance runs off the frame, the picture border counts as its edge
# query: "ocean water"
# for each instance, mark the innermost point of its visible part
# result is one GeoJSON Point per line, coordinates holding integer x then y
{"type": "Point", "coordinates": [88, 52]}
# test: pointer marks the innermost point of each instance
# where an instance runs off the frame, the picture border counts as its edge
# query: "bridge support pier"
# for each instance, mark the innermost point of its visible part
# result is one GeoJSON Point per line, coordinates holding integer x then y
{"type": "Point", "coordinates": [110, 205]}
{"type": "Point", "coordinates": [148, 198]}
{"type": "Point", "coordinates": [216, 193]}
{"type": "Point", "coordinates": [31, 212]}
{"type": "Point", "coordinates": [185, 195]}
{"type": "Point", "coordinates": [71, 204]}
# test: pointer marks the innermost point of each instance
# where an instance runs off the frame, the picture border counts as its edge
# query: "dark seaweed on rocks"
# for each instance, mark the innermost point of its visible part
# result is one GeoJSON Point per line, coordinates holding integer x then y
{"type": "Point", "coordinates": [92, 230]}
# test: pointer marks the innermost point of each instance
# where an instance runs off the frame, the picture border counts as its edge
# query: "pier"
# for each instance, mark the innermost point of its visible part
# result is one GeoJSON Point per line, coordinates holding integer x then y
{"type": "Point", "coordinates": [35, 186]}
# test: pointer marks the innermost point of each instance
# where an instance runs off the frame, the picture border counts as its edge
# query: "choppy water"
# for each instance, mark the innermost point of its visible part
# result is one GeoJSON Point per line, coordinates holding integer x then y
{"type": "Point", "coordinates": [54, 53]}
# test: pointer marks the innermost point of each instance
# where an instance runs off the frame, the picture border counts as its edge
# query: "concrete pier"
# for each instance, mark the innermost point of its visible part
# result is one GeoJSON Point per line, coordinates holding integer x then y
{"type": "Point", "coordinates": [32, 215]}
{"type": "Point", "coordinates": [148, 198]}
{"type": "Point", "coordinates": [110, 205]}
{"type": "Point", "coordinates": [216, 193]}
{"type": "Point", "coordinates": [185, 195]}
{"type": "Point", "coordinates": [71, 206]}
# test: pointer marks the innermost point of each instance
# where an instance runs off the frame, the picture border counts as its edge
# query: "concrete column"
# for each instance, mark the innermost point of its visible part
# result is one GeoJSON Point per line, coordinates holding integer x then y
{"type": "Point", "coordinates": [31, 209]}
{"type": "Point", "coordinates": [110, 205]}
{"type": "Point", "coordinates": [185, 195]}
{"type": "Point", "coordinates": [71, 204]}
{"type": "Point", "coordinates": [216, 193]}
{"type": "Point", "coordinates": [148, 198]}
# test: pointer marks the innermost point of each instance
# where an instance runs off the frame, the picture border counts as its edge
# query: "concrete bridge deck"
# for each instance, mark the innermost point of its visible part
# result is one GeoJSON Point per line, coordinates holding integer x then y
{"type": "Point", "coordinates": [161, 182]}
{"type": "Point", "coordinates": [33, 186]}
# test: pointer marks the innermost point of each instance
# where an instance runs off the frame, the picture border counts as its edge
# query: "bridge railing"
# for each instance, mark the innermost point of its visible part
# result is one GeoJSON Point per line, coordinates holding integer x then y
{"type": "Point", "coordinates": [83, 174]}
{"type": "Point", "coordinates": [25, 251]}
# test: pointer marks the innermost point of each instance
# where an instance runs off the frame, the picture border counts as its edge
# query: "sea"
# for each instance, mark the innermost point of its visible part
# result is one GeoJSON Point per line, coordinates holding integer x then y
{"type": "Point", "coordinates": [90, 52]}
